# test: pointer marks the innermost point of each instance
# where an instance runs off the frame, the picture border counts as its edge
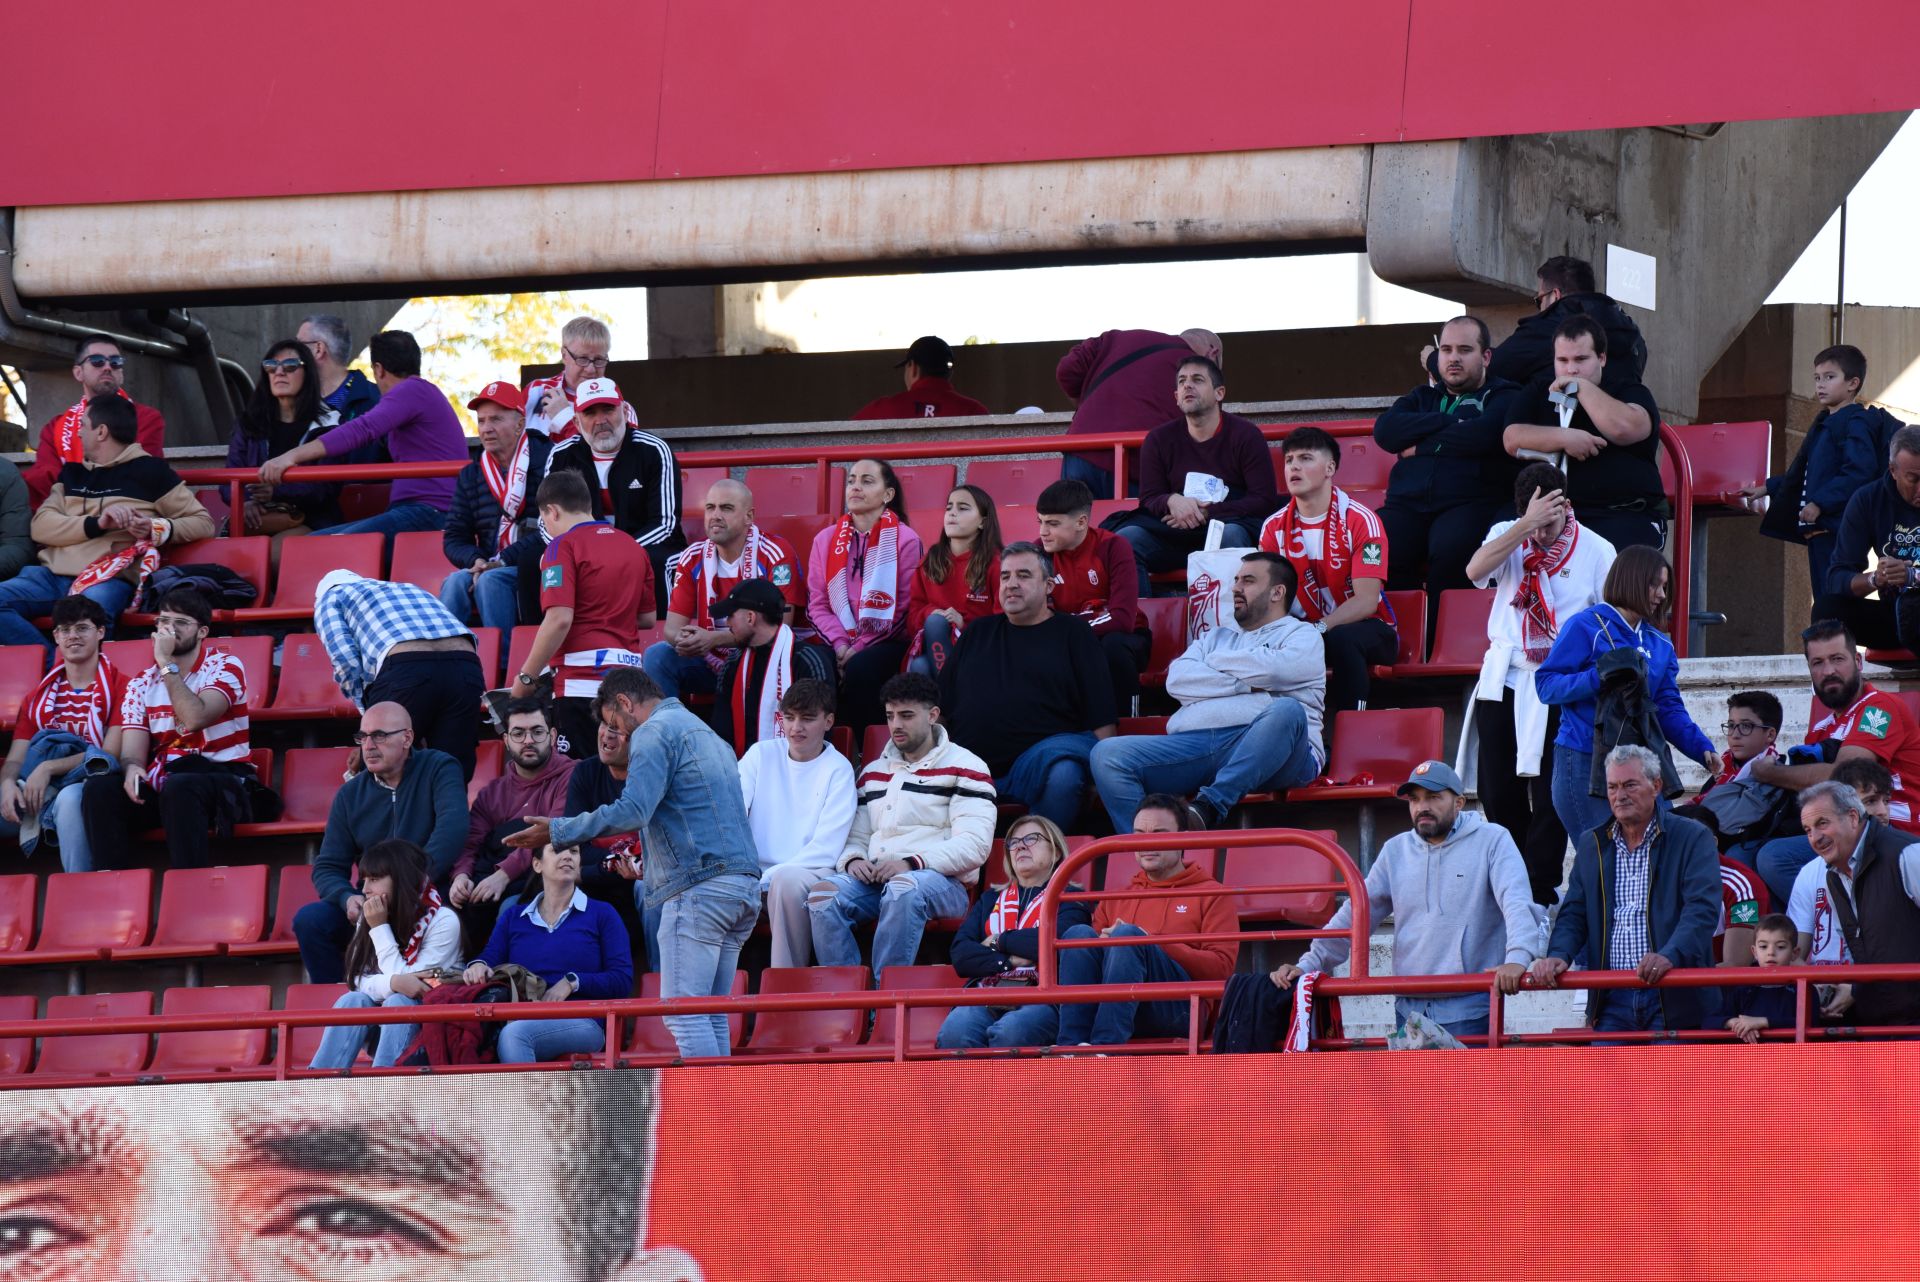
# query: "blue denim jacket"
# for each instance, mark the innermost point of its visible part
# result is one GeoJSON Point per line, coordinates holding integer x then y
{"type": "Point", "coordinates": [683, 797]}
{"type": "Point", "coordinates": [50, 745]}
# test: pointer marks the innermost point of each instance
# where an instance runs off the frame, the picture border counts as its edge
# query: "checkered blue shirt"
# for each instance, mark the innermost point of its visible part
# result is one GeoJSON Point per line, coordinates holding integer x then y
{"type": "Point", "coordinates": [360, 621]}
{"type": "Point", "coordinates": [1632, 875]}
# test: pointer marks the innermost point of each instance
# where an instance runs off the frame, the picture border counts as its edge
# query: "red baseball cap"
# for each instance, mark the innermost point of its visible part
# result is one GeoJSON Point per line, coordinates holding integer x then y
{"type": "Point", "coordinates": [505, 395]}
{"type": "Point", "coordinates": [596, 391]}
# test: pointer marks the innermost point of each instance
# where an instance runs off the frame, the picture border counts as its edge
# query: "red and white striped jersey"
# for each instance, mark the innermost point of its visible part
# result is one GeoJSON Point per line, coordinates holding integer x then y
{"type": "Point", "coordinates": [149, 707]}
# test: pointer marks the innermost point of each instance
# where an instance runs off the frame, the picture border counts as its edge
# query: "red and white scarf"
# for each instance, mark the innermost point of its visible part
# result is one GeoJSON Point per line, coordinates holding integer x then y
{"type": "Point", "coordinates": [97, 698]}
{"type": "Point", "coordinates": [1538, 624]}
{"type": "Point", "coordinates": [430, 903]}
{"type": "Point", "coordinates": [1300, 1022]}
{"type": "Point", "coordinates": [1336, 544]}
{"type": "Point", "coordinates": [773, 687]}
{"type": "Point", "coordinates": [66, 432]}
{"type": "Point", "coordinates": [879, 576]}
{"type": "Point", "coordinates": [750, 568]}
{"type": "Point", "coordinates": [1006, 913]}
{"type": "Point", "coordinates": [110, 566]}
{"type": "Point", "coordinates": [508, 490]}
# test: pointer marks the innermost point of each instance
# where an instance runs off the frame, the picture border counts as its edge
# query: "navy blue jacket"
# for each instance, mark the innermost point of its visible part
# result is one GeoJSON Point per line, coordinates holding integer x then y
{"type": "Point", "coordinates": [1876, 519]}
{"type": "Point", "coordinates": [1683, 906]}
{"type": "Point", "coordinates": [590, 942]}
{"type": "Point", "coordinates": [974, 960]}
{"type": "Point", "coordinates": [473, 521]}
{"type": "Point", "coordinates": [1456, 442]}
{"type": "Point", "coordinates": [1844, 452]}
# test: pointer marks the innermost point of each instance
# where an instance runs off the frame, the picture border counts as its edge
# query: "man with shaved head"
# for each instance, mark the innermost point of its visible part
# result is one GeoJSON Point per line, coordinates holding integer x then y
{"type": "Point", "coordinates": [1122, 381]}
{"type": "Point", "coordinates": [511, 1177]}
{"type": "Point", "coordinates": [698, 646]}
{"type": "Point", "coordinates": [399, 790]}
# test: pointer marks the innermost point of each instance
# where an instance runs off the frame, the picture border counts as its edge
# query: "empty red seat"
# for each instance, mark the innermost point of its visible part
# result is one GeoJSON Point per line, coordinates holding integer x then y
{"type": "Point", "coordinates": [21, 667]}
{"type": "Point", "coordinates": [305, 561]}
{"type": "Point", "coordinates": [489, 759]}
{"type": "Point", "coordinates": [800, 1031]}
{"type": "Point", "coordinates": [204, 910]}
{"type": "Point", "coordinates": [101, 1055]}
{"type": "Point", "coordinates": [305, 690]}
{"type": "Point", "coordinates": [17, 895]}
{"type": "Point", "coordinates": [419, 558]}
{"type": "Point", "coordinates": [217, 1050]}
{"type": "Point", "coordinates": [1283, 864]}
{"type": "Point", "coordinates": [248, 556]}
{"type": "Point", "coordinates": [799, 532]}
{"type": "Point", "coordinates": [1013, 481]}
{"type": "Point", "coordinates": [1374, 750]}
{"type": "Point", "coordinates": [1410, 625]}
{"type": "Point", "coordinates": [1167, 621]}
{"type": "Point", "coordinates": [872, 744]}
{"type": "Point", "coordinates": [1363, 465]}
{"type": "Point", "coordinates": [794, 491]}
{"type": "Point", "coordinates": [650, 1035]}
{"type": "Point", "coordinates": [1460, 633]}
{"type": "Point", "coordinates": [487, 641]}
{"type": "Point", "coordinates": [1725, 458]}
{"type": "Point", "coordinates": [922, 484]}
{"type": "Point", "coordinates": [311, 778]}
{"type": "Point", "coordinates": [358, 502]}
{"type": "Point", "coordinates": [88, 914]}
{"type": "Point", "coordinates": [294, 892]}
{"type": "Point", "coordinates": [304, 1042]}
{"type": "Point", "coordinates": [923, 1022]}
{"type": "Point", "coordinates": [15, 1052]}
{"type": "Point", "coordinates": [694, 484]}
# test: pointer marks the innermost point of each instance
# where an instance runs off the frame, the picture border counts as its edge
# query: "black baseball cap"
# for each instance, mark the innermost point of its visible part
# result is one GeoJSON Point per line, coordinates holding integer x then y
{"type": "Point", "coordinates": [757, 595]}
{"type": "Point", "coordinates": [928, 353]}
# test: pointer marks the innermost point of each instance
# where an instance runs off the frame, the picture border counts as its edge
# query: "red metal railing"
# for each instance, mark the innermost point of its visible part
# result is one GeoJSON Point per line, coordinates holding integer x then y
{"type": "Point", "coordinates": [822, 458]}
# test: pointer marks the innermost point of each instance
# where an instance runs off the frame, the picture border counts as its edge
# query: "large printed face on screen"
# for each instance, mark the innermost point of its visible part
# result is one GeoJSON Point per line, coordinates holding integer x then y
{"type": "Point", "coordinates": [486, 1178]}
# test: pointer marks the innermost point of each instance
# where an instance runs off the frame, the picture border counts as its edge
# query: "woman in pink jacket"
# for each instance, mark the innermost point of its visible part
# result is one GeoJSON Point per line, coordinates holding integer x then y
{"type": "Point", "coordinates": [858, 578]}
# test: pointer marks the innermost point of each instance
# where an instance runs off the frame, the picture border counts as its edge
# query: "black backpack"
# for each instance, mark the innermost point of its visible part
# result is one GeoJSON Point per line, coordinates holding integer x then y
{"type": "Point", "coordinates": [223, 588]}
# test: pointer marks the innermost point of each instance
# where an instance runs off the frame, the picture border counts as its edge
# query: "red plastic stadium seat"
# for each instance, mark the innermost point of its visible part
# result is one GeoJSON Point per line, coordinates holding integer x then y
{"type": "Point", "coordinates": [1363, 466]}
{"type": "Point", "coordinates": [1460, 633]}
{"type": "Point", "coordinates": [1410, 624]}
{"type": "Point", "coordinates": [1726, 458]}
{"type": "Point", "coordinates": [16, 911]}
{"type": "Point", "coordinates": [87, 914]}
{"type": "Point", "coordinates": [921, 484]}
{"type": "Point", "coordinates": [134, 655]}
{"type": "Point", "coordinates": [694, 484]}
{"type": "Point", "coordinates": [841, 737]}
{"type": "Point", "coordinates": [21, 667]}
{"type": "Point", "coordinates": [488, 760]}
{"type": "Point", "coordinates": [1167, 620]}
{"type": "Point", "coordinates": [872, 744]}
{"type": "Point", "coordinates": [800, 1031]}
{"type": "Point", "coordinates": [312, 776]}
{"type": "Point", "coordinates": [650, 1035]}
{"type": "Point", "coordinates": [304, 1042]}
{"type": "Point", "coordinates": [487, 640]}
{"type": "Point", "coordinates": [105, 1055]}
{"type": "Point", "coordinates": [295, 892]}
{"type": "Point", "coordinates": [1141, 725]}
{"type": "Point", "coordinates": [15, 1052]}
{"type": "Point", "coordinates": [793, 491]}
{"type": "Point", "coordinates": [1013, 481]}
{"type": "Point", "coordinates": [306, 690]}
{"type": "Point", "coordinates": [1383, 744]}
{"type": "Point", "coordinates": [216, 1051]}
{"type": "Point", "coordinates": [923, 1022]}
{"type": "Point", "coordinates": [358, 502]}
{"type": "Point", "coordinates": [799, 532]}
{"type": "Point", "coordinates": [248, 556]}
{"type": "Point", "coordinates": [305, 561]}
{"type": "Point", "coordinates": [419, 559]}
{"type": "Point", "coordinates": [203, 910]}
{"type": "Point", "coordinates": [1280, 865]}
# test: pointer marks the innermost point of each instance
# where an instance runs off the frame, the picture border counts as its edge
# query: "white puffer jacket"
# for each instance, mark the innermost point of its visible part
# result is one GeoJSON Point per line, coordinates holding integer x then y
{"type": "Point", "coordinates": [936, 812]}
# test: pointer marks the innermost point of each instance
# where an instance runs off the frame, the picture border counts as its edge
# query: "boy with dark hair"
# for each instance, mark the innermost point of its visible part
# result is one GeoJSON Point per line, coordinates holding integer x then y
{"type": "Point", "coordinates": [1094, 579]}
{"type": "Point", "coordinates": [800, 801]}
{"type": "Point", "coordinates": [1338, 551]}
{"type": "Point", "coordinates": [1752, 1009]}
{"type": "Point", "coordinates": [1845, 450]}
{"type": "Point", "coordinates": [1871, 779]}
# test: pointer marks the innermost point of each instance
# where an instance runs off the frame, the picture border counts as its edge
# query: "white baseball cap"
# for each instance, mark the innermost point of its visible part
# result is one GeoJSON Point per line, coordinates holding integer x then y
{"type": "Point", "coordinates": [596, 391]}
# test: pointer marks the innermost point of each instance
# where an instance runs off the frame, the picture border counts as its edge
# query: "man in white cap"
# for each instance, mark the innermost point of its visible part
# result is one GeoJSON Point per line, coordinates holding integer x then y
{"type": "Point", "coordinates": [630, 474]}
{"type": "Point", "coordinates": [1460, 900]}
{"type": "Point", "coordinates": [395, 643]}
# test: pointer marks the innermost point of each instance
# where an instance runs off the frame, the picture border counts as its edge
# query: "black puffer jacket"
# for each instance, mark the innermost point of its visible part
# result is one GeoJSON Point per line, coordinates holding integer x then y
{"type": "Point", "coordinates": [1528, 351]}
{"type": "Point", "coordinates": [1624, 714]}
{"type": "Point", "coordinates": [473, 521]}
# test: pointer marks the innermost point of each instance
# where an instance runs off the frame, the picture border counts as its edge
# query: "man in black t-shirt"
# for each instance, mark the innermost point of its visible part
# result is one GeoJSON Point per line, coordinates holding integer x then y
{"type": "Point", "coordinates": [1610, 440]}
{"type": "Point", "coordinates": [1028, 691]}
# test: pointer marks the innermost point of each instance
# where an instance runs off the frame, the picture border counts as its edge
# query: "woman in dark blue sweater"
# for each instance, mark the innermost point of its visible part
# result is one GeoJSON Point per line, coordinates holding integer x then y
{"type": "Point", "coordinates": [577, 945]}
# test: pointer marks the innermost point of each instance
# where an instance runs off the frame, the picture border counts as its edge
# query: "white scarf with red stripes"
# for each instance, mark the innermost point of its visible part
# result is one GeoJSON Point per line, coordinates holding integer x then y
{"type": "Point", "coordinates": [879, 576]}
{"type": "Point", "coordinates": [109, 567]}
{"type": "Point", "coordinates": [1006, 913]}
{"type": "Point", "coordinates": [773, 688]}
{"type": "Point", "coordinates": [98, 698]}
{"type": "Point", "coordinates": [509, 490]}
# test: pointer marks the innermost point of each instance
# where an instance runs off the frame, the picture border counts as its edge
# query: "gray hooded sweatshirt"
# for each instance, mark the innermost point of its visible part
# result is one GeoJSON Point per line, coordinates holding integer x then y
{"type": "Point", "coordinates": [1461, 907]}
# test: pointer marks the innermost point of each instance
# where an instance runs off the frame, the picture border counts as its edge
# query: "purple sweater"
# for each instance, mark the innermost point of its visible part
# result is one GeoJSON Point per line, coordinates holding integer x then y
{"type": "Point", "coordinates": [420, 427]}
{"type": "Point", "coordinates": [1236, 453]}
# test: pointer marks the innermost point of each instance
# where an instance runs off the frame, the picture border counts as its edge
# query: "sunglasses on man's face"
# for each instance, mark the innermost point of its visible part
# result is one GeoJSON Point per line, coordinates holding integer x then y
{"type": "Point", "coordinates": [287, 364]}
{"type": "Point", "coordinates": [102, 362]}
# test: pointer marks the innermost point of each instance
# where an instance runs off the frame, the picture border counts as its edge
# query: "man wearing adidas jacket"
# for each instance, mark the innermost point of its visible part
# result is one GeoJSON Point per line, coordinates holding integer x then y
{"type": "Point", "coordinates": [1460, 899]}
{"type": "Point", "coordinates": [918, 839]}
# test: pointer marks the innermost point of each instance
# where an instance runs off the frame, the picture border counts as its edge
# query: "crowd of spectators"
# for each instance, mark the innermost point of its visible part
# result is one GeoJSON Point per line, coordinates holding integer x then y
{"type": "Point", "coordinates": [657, 798]}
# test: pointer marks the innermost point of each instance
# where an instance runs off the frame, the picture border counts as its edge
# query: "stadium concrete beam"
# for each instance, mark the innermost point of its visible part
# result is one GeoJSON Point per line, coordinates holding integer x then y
{"type": "Point", "coordinates": [1725, 214]}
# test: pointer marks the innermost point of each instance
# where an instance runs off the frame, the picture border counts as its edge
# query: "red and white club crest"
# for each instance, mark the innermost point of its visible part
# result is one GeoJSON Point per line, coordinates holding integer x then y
{"type": "Point", "coordinates": [1203, 601]}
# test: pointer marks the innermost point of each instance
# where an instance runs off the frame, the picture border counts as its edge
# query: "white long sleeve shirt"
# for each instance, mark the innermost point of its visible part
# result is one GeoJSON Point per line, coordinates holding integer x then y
{"type": "Point", "coordinates": [799, 811]}
{"type": "Point", "coordinates": [441, 947]}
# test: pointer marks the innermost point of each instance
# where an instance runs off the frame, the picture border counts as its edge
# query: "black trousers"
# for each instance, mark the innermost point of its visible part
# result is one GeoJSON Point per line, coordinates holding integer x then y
{"type": "Point", "coordinates": [1877, 625]}
{"type": "Point", "coordinates": [1127, 653]}
{"type": "Point", "coordinates": [1430, 549]}
{"type": "Point", "coordinates": [1625, 529]}
{"type": "Point", "coordinates": [184, 807]}
{"type": "Point", "coordinates": [1352, 648]}
{"type": "Point", "coordinates": [1524, 807]}
{"type": "Point", "coordinates": [440, 689]}
{"type": "Point", "coordinates": [860, 684]}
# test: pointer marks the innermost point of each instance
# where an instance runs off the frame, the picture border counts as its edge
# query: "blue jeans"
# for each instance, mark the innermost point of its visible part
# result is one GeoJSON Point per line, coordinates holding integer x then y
{"type": "Point", "coordinates": [1098, 479]}
{"type": "Point", "coordinates": [1050, 777]}
{"type": "Point", "coordinates": [1271, 752]}
{"type": "Point", "coordinates": [1631, 1010]}
{"type": "Point", "coordinates": [499, 599]}
{"type": "Point", "coordinates": [341, 1045]}
{"type": "Point", "coordinates": [1579, 811]}
{"type": "Point", "coordinates": [1158, 547]}
{"type": "Point", "coordinates": [401, 518]}
{"type": "Point", "coordinates": [1779, 863]}
{"type": "Point", "coordinates": [536, 1041]}
{"type": "Point", "coordinates": [701, 931]}
{"type": "Point", "coordinates": [902, 908]}
{"type": "Point", "coordinates": [971, 1026]}
{"type": "Point", "coordinates": [676, 674]}
{"type": "Point", "coordinates": [32, 592]}
{"type": "Point", "coordinates": [1117, 1022]}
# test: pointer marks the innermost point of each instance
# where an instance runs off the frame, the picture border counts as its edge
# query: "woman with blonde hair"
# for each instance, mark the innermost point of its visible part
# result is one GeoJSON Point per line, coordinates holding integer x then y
{"type": "Point", "coordinates": [999, 941]}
